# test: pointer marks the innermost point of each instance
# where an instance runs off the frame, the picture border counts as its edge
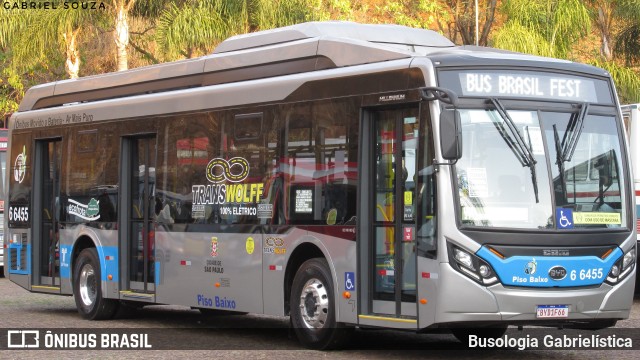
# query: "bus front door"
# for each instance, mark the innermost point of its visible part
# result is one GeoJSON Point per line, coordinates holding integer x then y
{"type": "Point", "coordinates": [138, 187]}
{"type": "Point", "coordinates": [48, 163]}
{"type": "Point", "coordinates": [392, 245]}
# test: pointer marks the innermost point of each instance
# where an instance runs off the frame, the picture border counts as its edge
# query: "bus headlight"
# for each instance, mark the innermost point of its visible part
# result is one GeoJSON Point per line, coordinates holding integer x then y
{"type": "Point", "coordinates": [471, 266]}
{"type": "Point", "coordinates": [622, 267]}
{"type": "Point", "coordinates": [629, 259]}
{"type": "Point", "coordinates": [463, 258]}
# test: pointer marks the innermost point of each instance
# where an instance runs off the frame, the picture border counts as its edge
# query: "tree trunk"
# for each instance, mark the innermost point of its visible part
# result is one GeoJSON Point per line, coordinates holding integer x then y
{"type": "Point", "coordinates": [606, 49]}
{"type": "Point", "coordinates": [604, 23]}
{"type": "Point", "coordinates": [72, 64]}
{"type": "Point", "coordinates": [490, 12]}
{"type": "Point", "coordinates": [121, 35]}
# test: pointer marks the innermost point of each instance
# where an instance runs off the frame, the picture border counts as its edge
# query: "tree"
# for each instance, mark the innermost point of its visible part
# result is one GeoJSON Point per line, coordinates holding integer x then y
{"type": "Point", "coordinates": [463, 12]}
{"type": "Point", "coordinates": [121, 9]}
{"type": "Point", "coordinates": [189, 28]}
{"type": "Point", "coordinates": [604, 12]}
{"type": "Point", "coordinates": [627, 40]}
{"type": "Point", "coordinates": [193, 27]}
{"type": "Point", "coordinates": [546, 28]}
{"type": "Point", "coordinates": [34, 36]}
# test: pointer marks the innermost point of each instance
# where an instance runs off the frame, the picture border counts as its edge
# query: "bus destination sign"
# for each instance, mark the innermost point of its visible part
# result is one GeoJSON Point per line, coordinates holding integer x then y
{"type": "Point", "coordinates": [526, 84]}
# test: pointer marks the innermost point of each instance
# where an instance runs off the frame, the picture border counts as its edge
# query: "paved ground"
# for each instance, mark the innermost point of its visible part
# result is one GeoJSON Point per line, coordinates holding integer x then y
{"type": "Point", "coordinates": [248, 336]}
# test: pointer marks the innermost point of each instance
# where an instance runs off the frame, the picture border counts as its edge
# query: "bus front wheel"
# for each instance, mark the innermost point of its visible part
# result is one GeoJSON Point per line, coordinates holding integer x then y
{"type": "Point", "coordinates": [313, 313]}
{"type": "Point", "coordinates": [87, 289]}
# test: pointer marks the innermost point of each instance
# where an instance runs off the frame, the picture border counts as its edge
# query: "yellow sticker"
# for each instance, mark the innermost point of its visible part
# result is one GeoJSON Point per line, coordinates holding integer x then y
{"type": "Point", "coordinates": [332, 215]}
{"type": "Point", "coordinates": [596, 218]}
{"type": "Point", "coordinates": [408, 198]}
{"type": "Point", "coordinates": [250, 245]}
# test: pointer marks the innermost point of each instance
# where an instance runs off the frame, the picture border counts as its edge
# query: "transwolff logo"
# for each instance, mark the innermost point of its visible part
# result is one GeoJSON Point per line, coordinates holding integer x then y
{"type": "Point", "coordinates": [531, 267]}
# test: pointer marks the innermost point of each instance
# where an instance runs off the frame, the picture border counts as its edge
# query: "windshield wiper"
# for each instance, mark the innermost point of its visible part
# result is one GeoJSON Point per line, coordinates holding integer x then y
{"type": "Point", "coordinates": [560, 162]}
{"type": "Point", "coordinates": [516, 143]}
{"type": "Point", "coordinates": [574, 130]}
{"type": "Point", "coordinates": [565, 150]}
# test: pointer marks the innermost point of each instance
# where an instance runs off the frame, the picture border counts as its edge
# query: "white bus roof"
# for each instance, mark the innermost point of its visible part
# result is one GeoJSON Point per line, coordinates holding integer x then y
{"type": "Point", "coordinates": [289, 50]}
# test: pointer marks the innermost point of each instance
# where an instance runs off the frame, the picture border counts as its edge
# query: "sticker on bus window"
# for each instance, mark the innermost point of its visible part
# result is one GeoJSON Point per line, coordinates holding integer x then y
{"type": "Point", "coordinates": [597, 218]}
{"type": "Point", "coordinates": [478, 186]}
{"type": "Point", "coordinates": [564, 218]}
{"type": "Point", "coordinates": [304, 201]}
{"type": "Point", "coordinates": [408, 197]}
{"type": "Point", "coordinates": [20, 166]}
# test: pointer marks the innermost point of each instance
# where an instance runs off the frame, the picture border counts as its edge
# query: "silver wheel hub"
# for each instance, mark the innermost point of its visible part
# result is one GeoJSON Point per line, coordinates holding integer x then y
{"type": "Point", "coordinates": [88, 285]}
{"type": "Point", "coordinates": [314, 304]}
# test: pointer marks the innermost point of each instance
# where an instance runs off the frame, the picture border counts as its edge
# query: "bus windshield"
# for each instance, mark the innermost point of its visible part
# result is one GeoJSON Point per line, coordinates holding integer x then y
{"type": "Point", "coordinates": [540, 169]}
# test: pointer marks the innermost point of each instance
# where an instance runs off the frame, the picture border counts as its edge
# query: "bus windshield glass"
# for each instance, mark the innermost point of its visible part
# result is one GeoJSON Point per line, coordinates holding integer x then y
{"type": "Point", "coordinates": [540, 169]}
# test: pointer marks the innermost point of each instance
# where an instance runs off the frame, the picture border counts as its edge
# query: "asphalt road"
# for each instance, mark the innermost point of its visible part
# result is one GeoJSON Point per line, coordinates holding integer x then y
{"type": "Point", "coordinates": [247, 336]}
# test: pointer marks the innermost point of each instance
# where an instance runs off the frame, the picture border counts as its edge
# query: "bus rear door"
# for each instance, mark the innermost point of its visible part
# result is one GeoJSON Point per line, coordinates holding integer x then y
{"type": "Point", "coordinates": [137, 245]}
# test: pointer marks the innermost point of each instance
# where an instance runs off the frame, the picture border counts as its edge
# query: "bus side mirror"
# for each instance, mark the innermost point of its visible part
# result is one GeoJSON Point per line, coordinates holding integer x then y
{"type": "Point", "coordinates": [450, 134]}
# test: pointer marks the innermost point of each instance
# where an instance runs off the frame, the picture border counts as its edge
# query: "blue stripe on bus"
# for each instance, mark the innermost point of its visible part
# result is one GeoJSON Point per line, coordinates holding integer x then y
{"type": "Point", "coordinates": [109, 262]}
{"type": "Point", "coordinates": [108, 256]}
{"type": "Point", "coordinates": [17, 248]}
{"type": "Point", "coordinates": [65, 261]}
{"type": "Point", "coordinates": [157, 277]}
{"type": "Point", "coordinates": [533, 271]}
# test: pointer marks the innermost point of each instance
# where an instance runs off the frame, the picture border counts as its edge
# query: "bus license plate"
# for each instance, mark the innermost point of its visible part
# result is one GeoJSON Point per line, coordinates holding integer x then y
{"type": "Point", "coordinates": [552, 311]}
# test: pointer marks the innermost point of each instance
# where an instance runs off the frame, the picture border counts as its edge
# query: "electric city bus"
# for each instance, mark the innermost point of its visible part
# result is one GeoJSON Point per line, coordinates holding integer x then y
{"type": "Point", "coordinates": [4, 133]}
{"type": "Point", "coordinates": [344, 175]}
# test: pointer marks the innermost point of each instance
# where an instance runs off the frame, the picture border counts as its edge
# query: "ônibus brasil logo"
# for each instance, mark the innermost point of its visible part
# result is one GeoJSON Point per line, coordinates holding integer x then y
{"type": "Point", "coordinates": [20, 168]}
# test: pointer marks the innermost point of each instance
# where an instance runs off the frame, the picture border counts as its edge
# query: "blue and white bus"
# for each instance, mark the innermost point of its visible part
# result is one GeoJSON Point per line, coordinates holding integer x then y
{"type": "Point", "coordinates": [341, 174]}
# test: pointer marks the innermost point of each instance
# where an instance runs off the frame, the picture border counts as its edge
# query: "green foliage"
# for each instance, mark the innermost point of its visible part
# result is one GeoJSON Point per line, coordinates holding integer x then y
{"type": "Point", "coordinates": [517, 37]}
{"type": "Point", "coordinates": [174, 29]}
{"type": "Point", "coordinates": [627, 45]}
{"type": "Point", "coordinates": [195, 27]}
{"type": "Point", "coordinates": [627, 42]}
{"type": "Point", "coordinates": [560, 23]}
{"type": "Point", "coordinates": [627, 81]}
{"type": "Point", "coordinates": [269, 14]}
{"type": "Point", "coordinates": [35, 35]}
{"type": "Point", "coordinates": [184, 29]}
{"type": "Point", "coordinates": [11, 87]}
{"type": "Point", "coordinates": [403, 12]}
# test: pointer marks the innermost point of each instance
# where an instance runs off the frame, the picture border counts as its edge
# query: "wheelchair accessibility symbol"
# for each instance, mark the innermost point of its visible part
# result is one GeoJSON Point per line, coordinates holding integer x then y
{"type": "Point", "coordinates": [564, 218]}
{"type": "Point", "coordinates": [349, 281]}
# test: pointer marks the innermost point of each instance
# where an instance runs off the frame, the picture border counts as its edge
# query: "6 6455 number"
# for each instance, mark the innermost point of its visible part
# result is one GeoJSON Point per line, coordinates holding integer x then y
{"type": "Point", "coordinates": [583, 274]}
{"type": "Point", "coordinates": [18, 213]}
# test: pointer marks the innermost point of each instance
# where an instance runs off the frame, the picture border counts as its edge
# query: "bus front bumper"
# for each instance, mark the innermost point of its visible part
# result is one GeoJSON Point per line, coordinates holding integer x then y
{"type": "Point", "coordinates": [498, 304]}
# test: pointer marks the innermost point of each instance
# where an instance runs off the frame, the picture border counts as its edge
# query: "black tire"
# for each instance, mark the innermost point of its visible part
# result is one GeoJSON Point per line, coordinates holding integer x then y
{"type": "Point", "coordinates": [87, 289]}
{"type": "Point", "coordinates": [489, 332]}
{"type": "Point", "coordinates": [312, 290]}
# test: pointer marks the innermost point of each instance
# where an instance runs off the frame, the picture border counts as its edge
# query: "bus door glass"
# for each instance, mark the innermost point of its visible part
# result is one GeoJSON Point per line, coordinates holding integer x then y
{"type": "Point", "coordinates": [47, 193]}
{"type": "Point", "coordinates": [393, 267]}
{"type": "Point", "coordinates": [141, 211]}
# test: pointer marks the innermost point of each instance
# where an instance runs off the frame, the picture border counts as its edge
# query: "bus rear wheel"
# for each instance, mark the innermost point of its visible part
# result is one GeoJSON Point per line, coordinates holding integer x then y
{"type": "Point", "coordinates": [313, 314]}
{"type": "Point", "coordinates": [87, 289]}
